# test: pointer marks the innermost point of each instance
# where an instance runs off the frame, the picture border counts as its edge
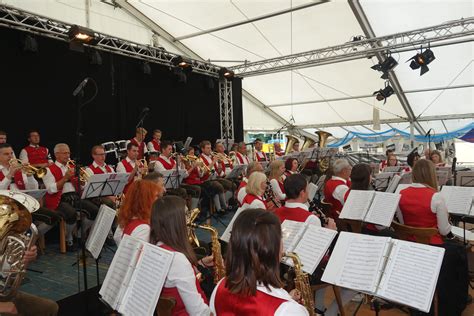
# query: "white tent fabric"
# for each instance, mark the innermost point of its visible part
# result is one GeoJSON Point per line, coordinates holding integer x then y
{"type": "Point", "coordinates": [317, 26]}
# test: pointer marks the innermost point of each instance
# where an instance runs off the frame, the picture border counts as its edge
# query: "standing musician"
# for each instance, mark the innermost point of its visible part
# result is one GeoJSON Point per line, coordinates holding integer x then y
{"type": "Point", "coordinates": [277, 169]}
{"type": "Point", "coordinates": [154, 146]}
{"type": "Point", "coordinates": [223, 167]}
{"type": "Point", "coordinates": [259, 154]}
{"type": "Point", "coordinates": [252, 285]}
{"type": "Point", "coordinates": [11, 176]}
{"type": "Point", "coordinates": [383, 163]}
{"type": "Point", "coordinates": [139, 141]}
{"type": "Point", "coordinates": [291, 166]}
{"type": "Point", "coordinates": [131, 165]}
{"type": "Point", "coordinates": [241, 154]}
{"type": "Point", "coordinates": [61, 195]}
{"type": "Point", "coordinates": [3, 139]}
{"type": "Point", "coordinates": [338, 186]}
{"type": "Point", "coordinates": [34, 154]}
{"type": "Point", "coordinates": [255, 190]}
{"type": "Point", "coordinates": [278, 151]}
{"type": "Point", "coordinates": [241, 192]}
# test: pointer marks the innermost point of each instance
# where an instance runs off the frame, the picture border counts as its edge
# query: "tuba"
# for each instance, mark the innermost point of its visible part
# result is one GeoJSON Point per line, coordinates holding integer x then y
{"type": "Point", "coordinates": [308, 142]}
{"type": "Point", "coordinates": [323, 138]}
{"type": "Point", "coordinates": [302, 283]}
{"type": "Point", "coordinates": [290, 141]}
{"type": "Point", "coordinates": [15, 220]}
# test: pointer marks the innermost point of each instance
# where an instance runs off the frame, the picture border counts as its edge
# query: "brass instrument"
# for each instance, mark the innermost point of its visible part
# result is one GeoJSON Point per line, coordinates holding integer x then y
{"type": "Point", "coordinates": [302, 283]}
{"type": "Point", "coordinates": [190, 218]}
{"type": "Point", "coordinates": [84, 175]}
{"type": "Point", "coordinates": [324, 162]}
{"type": "Point", "coordinates": [290, 141]}
{"type": "Point", "coordinates": [28, 169]}
{"type": "Point", "coordinates": [15, 220]}
{"type": "Point", "coordinates": [144, 164]}
{"type": "Point", "coordinates": [271, 152]}
{"type": "Point", "coordinates": [222, 157]}
{"type": "Point", "coordinates": [233, 157]}
{"type": "Point", "coordinates": [308, 142]}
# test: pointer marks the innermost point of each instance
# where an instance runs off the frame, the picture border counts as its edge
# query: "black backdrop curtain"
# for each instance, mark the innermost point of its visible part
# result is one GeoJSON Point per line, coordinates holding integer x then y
{"type": "Point", "coordinates": [36, 92]}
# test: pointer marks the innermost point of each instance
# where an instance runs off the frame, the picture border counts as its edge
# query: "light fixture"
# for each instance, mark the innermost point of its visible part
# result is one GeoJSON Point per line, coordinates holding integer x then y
{"type": "Point", "coordinates": [180, 61]}
{"type": "Point", "coordinates": [385, 66]}
{"type": "Point", "coordinates": [30, 44]}
{"type": "Point", "coordinates": [225, 73]}
{"type": "Point", "coordinates": [422, 60]}
{"type": "Point", "coordinates": [384, 93]}
{"type": "Point", "coordinates": [78, 36]}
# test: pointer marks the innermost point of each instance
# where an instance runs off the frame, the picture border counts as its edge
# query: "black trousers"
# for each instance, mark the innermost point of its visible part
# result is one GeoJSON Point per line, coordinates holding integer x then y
{"type": "Point", "coordinates": [47, 216]}
{"type": "Point", "coordinates": [70, 203]}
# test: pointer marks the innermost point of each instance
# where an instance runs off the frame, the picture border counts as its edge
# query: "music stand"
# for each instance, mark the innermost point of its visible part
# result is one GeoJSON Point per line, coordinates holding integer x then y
{"type": "Point", "coordinates": [382, 180]}
{"type": "Point", "coordinates": [237, 171]}
{"type": "Point", "coordinates": [465, 179]}
{"type": "Point", "coordinates": [443, 177]}
{"type": "Point", "coordinates": [173, 178]}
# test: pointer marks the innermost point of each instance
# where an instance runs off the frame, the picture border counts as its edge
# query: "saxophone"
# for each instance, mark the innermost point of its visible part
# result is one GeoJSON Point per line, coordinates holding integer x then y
{"type": "Point", "coordinates": [15, 220]}
{"type": "Point", "coordinates": [302, 283]}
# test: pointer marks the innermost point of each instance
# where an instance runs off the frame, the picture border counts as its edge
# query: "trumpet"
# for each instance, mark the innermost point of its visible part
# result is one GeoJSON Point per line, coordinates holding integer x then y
{"type": "Point", "coordinates": [144, 164]}
{"type": "Point", "coordinates": [28, 169]}
{"type": "Point", "coordinates": [83, 174]}
{"type": "Point", "coordinates": [222, 157]}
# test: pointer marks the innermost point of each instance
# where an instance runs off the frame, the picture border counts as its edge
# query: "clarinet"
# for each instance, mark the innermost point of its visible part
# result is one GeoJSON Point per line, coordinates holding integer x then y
{"type": "Point", "coordinates": [318, 212]}
{"type": "Point", "coordinates": [270, 196]}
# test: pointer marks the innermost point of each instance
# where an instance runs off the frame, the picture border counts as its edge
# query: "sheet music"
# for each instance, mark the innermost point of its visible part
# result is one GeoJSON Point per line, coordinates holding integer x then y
{"type": "Point", "coordinates": [357, 204]}
{"type": "Point", "coordinates": [291, 232]}
{"type": "Point", "coordinates": [100, 230]}
{"type": "Point", "coordinates": [147, 281]}
{"type": "Point", "coordinates": [120, 271]}
{"type": "Point", "coordinates": [226, 235]}
{"type": "Point", "coordinates": [312, 189]}
{"type": "Point", "coordinates": [383, 208]}
{"type": "Point", "coordinates": [459, 233]}
{"type": "Point", "coordinates": [458, 199]}
{"type": "Point", "coordinates": [357, 261]}
{"type": "Point", "coordinates": [313, 245]}
{"type": "Point", "coordinates": [392, 186]}
{"type": "Point", "coordinates": [411, 274]}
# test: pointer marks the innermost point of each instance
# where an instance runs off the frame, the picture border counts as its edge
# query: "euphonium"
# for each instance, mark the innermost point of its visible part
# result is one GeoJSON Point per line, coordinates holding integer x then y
{"type": "Point", "coordinates": [15, 220]}
{"type": "Point", "coordinates": [308, 142]}
{"type": "Point", "coordinates": [290, 141]}
{"type": "Point", "coordinates": [29, 169]}
{"type": "Point", "coordinates": [302, 283]}
{"type": "Point", "coordinates": [323, 138]}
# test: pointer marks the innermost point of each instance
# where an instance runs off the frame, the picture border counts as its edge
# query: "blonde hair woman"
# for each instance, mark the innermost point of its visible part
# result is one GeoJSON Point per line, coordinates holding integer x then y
{"type": "Point", "coordinates": [255, 189]}
{"type": "Point", "coordinates": [277, 170]}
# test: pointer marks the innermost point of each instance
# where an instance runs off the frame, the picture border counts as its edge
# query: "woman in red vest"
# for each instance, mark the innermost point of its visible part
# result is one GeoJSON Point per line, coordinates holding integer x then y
{"type": "Point", "coordinates": [255, 190]}
{"type": "Point", "coordinates": [168, 230]}
{"type": "Point", "coordinates": [337, 185]}
{"type": "Point", "coordinates": [277, 169]}
{"type": "Point", "coordinates": [252, 285]}
{"type": "Point", "coordinates": [135, 212]}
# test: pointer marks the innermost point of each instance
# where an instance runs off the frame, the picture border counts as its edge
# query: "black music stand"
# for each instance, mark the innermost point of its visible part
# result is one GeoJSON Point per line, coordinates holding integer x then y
{"type": "Point", "coordinates": [173, 178]}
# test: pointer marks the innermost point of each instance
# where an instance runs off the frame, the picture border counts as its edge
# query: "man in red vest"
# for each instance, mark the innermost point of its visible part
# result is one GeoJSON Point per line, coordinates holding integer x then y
{"type": "Point", "coordinates": [98, 166]}
{"type": "Point", "coordinates": [130, 164]}
{"type": "Point", "coordinates": [34, 154]}
{"type": "Point", "coordinates": [259, 154]}
{"type": "Point", "coordinates": [278, 151]}
{"type": "Point", "coordinates": [154, 146]}
{"type": "Point", "coordinates": [61, 194]}
{"type": "Point", "coordinates": [241, 154]}
{"type": "Point", "coordinates": [139, 141]}
{"type": "Point", "coordinates": [11, 176]}
{"type": "Point", "coordinates": [337, 187]}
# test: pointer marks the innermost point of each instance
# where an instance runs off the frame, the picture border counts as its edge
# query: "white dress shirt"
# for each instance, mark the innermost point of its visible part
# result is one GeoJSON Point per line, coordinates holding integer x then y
{"type": "Point", "coordinates": [24, 154]}
{"type": "Point", "coordinates": [151, 147]}
{"type": "Point", "coordinates": [341, 190]}
{"type": "Point", "coordinates": [312, 219]}
{"type": "Point", "coordinates": [181, 275]}
{"type": "Point", "coordinates": [141, 232]}
{"type": "Point", "coordinates": [9, 184]}
{"type": "Point", "coordinates": [288, 308]}
{"type": "Point", "coordinates": [276, 190]}
{"type": "Point", "coordinates": [121, 167]}
{"type": "Point", "coordinates": [50, 181]}
{"type": "Point", "coordinates": [245, 159]}
{"type": "Point", "coordinates": [438, 207]}
{"type": "Point", "coordinates": [103, 168]}
{"type": "Point", "coordinates": [158, 166]}
{"type": "Point", "coordinates": [145, 148]}
{"type": "Point", "coordinates": [242, 192]}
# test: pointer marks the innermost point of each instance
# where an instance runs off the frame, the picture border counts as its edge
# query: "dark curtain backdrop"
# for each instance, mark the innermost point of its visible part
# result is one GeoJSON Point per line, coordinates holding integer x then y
{"type": "Point", "coordinates": [36, 92]}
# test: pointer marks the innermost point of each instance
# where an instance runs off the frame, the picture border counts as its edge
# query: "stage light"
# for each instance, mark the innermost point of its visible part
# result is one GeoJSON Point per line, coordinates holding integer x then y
{"type": "Point", "coordinates": [95, 58]}
{"type": "Point", "coordinates": [225, 73]}
{"type": "Point", "coordinates": [384, 93]}
{"type": "Point", "coordinates": [422, 60]}
{"type": "Point", "coordinates": [146, 68]}
{"type": "Point", "coordinates": [182, 62]}
{"type": "Point", "coordinates": [385, 66]}
{"type": "Point", "coordinates": [81, 34]}
{"type": "Point", "coordinates": [30, 44]}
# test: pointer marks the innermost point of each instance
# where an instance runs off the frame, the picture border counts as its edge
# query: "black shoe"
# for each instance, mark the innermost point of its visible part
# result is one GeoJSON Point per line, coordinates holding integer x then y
{"type": "Point", "coordinates": [71, 247]}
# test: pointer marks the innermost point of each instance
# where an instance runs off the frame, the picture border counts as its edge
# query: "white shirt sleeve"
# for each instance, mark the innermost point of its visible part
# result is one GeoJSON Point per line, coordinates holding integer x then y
{"type": "Point", "coordinates": [24, 156]}
{"type": "Point", "coordinates": [121, 168]}
{"type": "Point", "coordinates": [313, 220]}
{"type": "Point", "coordinates": [142, 232]}
{"type": "Point", "coordinates": [276, 190]}
{"type": "Point", "coordinates": [5, 182]}
{"type": "Point", "coordinates": [50, 182]}
{"type": "Point", "coordinates": [181, 275]}
{"type": "Point", "coordinates": [291, 308]}
{"type": "Point", "coordinates": [438, 206]}
{"type": "Point", "coordinates": [241, 195]}
{"type": "Point", "coordinates": [50, 161]}
{"type": "Point", "coordinates": [31, 183]}
{"type": "Point", "coordinates": [158, 166]}
{"type": "Point", "coordinates": [339, 192]}
{"type": "Point", "coordinates": [150, 147]}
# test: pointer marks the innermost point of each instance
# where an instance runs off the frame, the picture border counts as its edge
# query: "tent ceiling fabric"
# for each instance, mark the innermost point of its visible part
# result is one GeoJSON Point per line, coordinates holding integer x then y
{"type": "Point", "coordinates": [318, 26]}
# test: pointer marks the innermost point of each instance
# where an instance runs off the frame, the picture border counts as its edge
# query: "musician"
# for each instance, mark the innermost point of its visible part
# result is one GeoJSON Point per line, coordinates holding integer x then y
{"type": "Point", "coordinates": [131, 165]}
{"type": "Point", "coordinates": [412, 158]}
{"type": "Point", "coordinates": [255, 190]}
{"type": "Point", "coordinates": [278, 151]}
{"type": "Point", "coordinates": [383, 163]}
{"type": "Point", "coordinates": [337, 186]}
{"type": "Point", "coordinates": [391, 161]}
{"type": "Point", "coordinates": [223, 167]}
{"type": "Point", "coordinates": [169, 231]}
{"type": "Point", "coordinates": [3, 139]}
{"type": "Point", "coordinates": [241, 154]}
{"type": "Point", "coordinates": [34, 154]}
{"type": "Point", "coordinates": [252, 285]}
{"type": "Point", "coordinates": [139, 141]}
{"type": "Point", "coordinates": [259, 154]}
{"type": "Point", "coordinates": [437, 158]}
{"type": "Point", "coordinates": [295, 209]}
{"type": "Point", "coordinates": [427, 154]}
{"type": "Point", "coordinates": [241, 192]}
{"type": "Point", "coordinates": [277, 169]}
{"type": "Point", "coordinates": [11, 176]}
{"type": "Point", "coordinates": [154, 146]}
{"type": "Point", "coordinates": [135, 212]}
{"type": "Point", "coordinates": [61, 194]}
{"type": "Point", "coordinates": [291, 166]}
{"type": "Point", "coordinates": [296, 147]}
{"type": "Point", "coordinates": [157, 178]}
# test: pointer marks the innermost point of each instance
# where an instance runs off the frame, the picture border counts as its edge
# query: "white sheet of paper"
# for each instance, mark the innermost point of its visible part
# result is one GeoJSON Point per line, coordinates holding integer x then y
{"type": "Point", "coordinates": [100, 230]}
{"type": "Point", "coordinates": [226, 235]}
{"type": "Point", "coordinates": [392, 186]}
{"type": "Point", "coordinates": [357, 204]}
{"type": "Point", "coordinates": [458, 199]}
{"type": "Point", "coordinates": [312, 189]}
{"type": "Point", "coordinates": [459, 233]}
{"type": "Point", "coordinates": [383, 208]}
{"type": "Point", "coordinates": [411, 274]}
{"type": "Point", "coordinates": [291, 233]}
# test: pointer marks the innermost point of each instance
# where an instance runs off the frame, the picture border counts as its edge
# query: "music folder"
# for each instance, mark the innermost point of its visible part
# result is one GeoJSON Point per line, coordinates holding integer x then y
{"type": "Point", "coordinates": [459, 199]}
{"type": "Point", "coordinates": [106, 184]}
{"type": "Point", "coordinates": [173, 178]}
{"type": "Point", "coordinates": [100, 230]}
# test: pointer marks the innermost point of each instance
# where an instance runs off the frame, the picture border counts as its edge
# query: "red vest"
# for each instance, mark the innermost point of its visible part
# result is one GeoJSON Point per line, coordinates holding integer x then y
{"type": "Point", "coordinates": [128, 230]}
{"type": "Point", "coordinates": [100, 171]}
{"type": "Point", "coordinates": [156, 145]}
{"type": "Point", "coordinates": [166, 165]}
{"type": "Point", "coordinates": [229, 304]}
{"type": "Point", "coordinates": [261, 156]}
{"type": "Point", "coordinates": [297, 214]}
{"type": "Point", "coordinates": [37, 155]}
{"type": "Point", "coordinates": [415, 204]}
{"type": "Point", "coordinates": [193, 178]}
{"type": "Point", "coordinates": [18, 178]}
{"type": "Point", "coordinates": [141, 148]}
{"type": "Point", "coordinates": [128, 169]}
{"type": "Point", "coordinates": [52, 201]}
{"type": "Point", "coordinates": [179, 309]}
{"type": "Point", "coordinates": [242, 160]}
{"type": "Point", "coordinates": [329, 190]}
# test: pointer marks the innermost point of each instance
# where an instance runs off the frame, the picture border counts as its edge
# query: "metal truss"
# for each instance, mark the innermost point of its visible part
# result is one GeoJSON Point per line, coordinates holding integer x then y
{"type": "Point", "coordinates": [226, 109]}
{"type": "Point", "coordinates": [33, 23]}
{"type": "Point", "coordinates": [435, 35]}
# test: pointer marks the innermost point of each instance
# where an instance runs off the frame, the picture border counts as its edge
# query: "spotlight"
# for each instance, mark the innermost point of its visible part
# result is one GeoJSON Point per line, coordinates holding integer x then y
{"type": "Point", "coordinates": [146, 68]}
{"type": "Point", "coordinates": [384, 93]}
{"type": "Point", "coordinates": [95, 58]}
{"type": "Point", "coordinates": [385, 66]}
{"type": "Point", "coordinates": [78, 36]}
{"type": "Point", "coordinates": [179, 61]}
{"type": "Point", "coordinates": [225, 73]}
{"type": "Point", "coordinates": [421, 60]}
{"type": "Point", "coordinates": [30, 44]}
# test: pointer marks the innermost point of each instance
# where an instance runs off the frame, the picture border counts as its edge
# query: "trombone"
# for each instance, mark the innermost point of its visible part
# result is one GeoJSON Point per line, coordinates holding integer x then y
{"type": "Point", "coordinates": [28, 169]}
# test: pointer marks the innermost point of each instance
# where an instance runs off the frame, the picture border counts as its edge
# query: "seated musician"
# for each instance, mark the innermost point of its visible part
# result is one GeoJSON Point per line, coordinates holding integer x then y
{"type": "Point", "coordinates": [169, 231]}
{"type": "Point", "coordinates": [392, 161]}
{"type": "Point", "coordinates": [62, 196]}
{"type": "Point", "coordinates": [291, 166]}
{"type": "Point", "coordinates": [154, 146]}
{"type": "Point", "coordinates": [337, 186]}
{"type": "Point", "coordinates": [241, 192]}
{"type": "Point", "coordinates": [412, 158]}
{"type": "Point", "coordinates": [139, 141]}
{"type": "Point", "coordinates": [278, 151]}
{"type": "Point", "coordinates": [252, 285]}
{"type": "Point", "coordinates": [131, 165]}
{"type": "Point", "coordinates": [99, 166]}
{"type": "Point", "coordinates": [383, 163]}
{"type": "Point", "coordinates": [135, 212]}
{"type": "Point", "coordinates": [34, 154]}
{"type": "Point", "coordinates": [223, 166]}
{"type": "Point", "coordinates": [295, 148]}
{"type": "Point", "coordinates": [277, 169]}
{"type": "Point", "coordinates": [295, 208]}
{"type": "Point", "coordinates": [3, 139]}
{"type": "Point", "coordinates": [437, 158]}
{"type": "Point", "coordinates": [259, 154]}
{"type": "Point", "coordinates": [241, 154]}
{"type": "Point", "coordinates": [255, 190]}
